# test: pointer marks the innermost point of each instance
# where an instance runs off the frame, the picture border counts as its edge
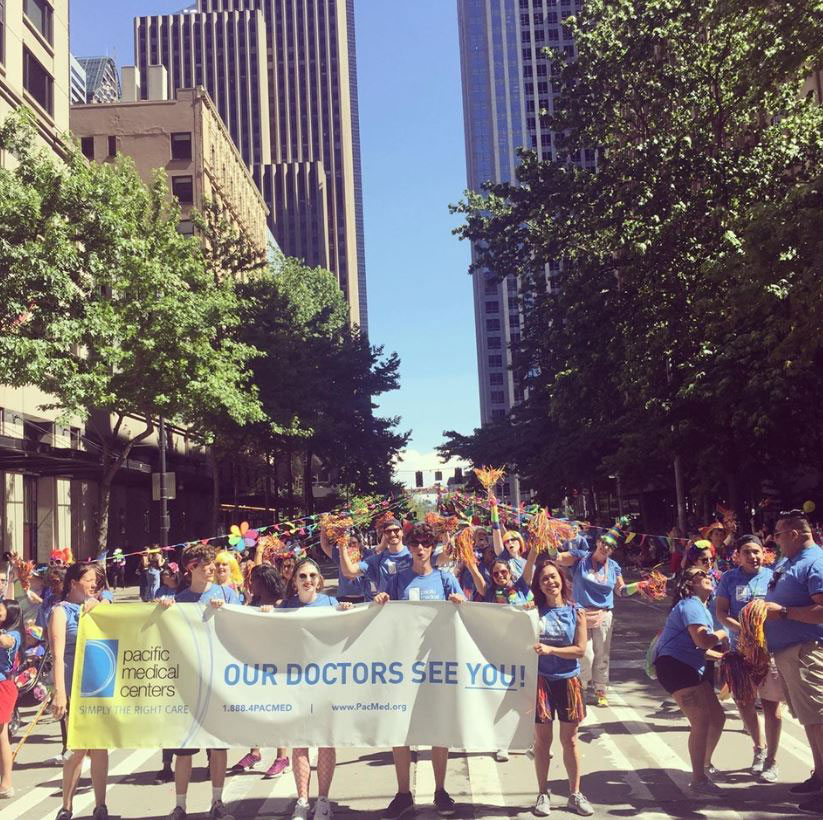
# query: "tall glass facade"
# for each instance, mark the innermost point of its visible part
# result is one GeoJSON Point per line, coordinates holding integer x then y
{"type": "Point", "coordinates": [506, 84]}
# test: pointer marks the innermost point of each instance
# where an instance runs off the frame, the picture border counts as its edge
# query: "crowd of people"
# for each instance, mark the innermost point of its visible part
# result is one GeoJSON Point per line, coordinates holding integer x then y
{"type": "Point", "coordinates": [572, 590]}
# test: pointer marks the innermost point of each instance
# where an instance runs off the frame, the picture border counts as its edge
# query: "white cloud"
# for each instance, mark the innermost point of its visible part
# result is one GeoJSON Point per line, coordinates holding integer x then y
{"type": "Point", "coordinates": [410, 461]}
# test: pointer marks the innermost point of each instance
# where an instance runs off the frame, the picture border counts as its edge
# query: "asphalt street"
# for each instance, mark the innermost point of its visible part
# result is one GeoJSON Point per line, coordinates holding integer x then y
{"type": "Point", "coordinates": [634, 760]}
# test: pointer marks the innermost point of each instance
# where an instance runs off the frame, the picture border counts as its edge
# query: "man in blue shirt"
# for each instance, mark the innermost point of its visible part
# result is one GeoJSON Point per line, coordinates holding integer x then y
{"type": "Point", "coordinates": [390, 557]}
{"type": "Point", "coordinates": [198, 561]}
{"type": "Point", "coordinates": [736, 589]}
{"type": "Point", "coordinates": [794, 633]}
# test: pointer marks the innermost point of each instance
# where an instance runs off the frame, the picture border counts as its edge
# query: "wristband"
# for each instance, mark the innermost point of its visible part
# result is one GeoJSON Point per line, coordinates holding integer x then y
{"type": "Point", "coordinates": [631, 589]}
{"type": "Point", "coordinates": [495, 516]}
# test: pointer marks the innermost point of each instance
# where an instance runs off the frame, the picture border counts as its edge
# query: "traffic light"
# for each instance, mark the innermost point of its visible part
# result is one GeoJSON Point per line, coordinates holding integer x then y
{"type": "Point", "coordinates": [418, 478]}
{"type": "Point", "coordinates": [458, 474]}
{"type": "Point", "coordinates": [438, 475]}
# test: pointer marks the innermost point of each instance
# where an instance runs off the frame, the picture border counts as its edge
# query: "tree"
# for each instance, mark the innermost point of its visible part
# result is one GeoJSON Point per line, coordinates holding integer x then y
{"type": "Point", "coordinates": [667, 284]}
{"type": "Point", "coordinates": [107, 307]}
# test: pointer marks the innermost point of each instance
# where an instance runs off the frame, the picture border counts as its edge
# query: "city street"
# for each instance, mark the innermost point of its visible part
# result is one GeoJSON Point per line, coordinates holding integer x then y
{"type": "Point", "coordinates": [633, 755]}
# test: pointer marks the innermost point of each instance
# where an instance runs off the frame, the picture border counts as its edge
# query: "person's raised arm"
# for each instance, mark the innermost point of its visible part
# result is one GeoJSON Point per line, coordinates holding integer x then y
{"type": "Point", "coordinates": [477, 576]}
{"type": "Point", "coordinates": [347, 566]}
{"type": "Point", "coordinates": [497, 535]}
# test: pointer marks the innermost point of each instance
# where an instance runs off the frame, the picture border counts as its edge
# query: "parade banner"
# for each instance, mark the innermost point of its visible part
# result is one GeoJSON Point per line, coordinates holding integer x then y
{"type": "Point", "coordinates": [405, 673]}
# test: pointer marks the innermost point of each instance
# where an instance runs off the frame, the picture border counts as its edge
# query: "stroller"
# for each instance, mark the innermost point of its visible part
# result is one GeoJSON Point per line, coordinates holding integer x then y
{"type": "Point", "coordinates": [31, 675]}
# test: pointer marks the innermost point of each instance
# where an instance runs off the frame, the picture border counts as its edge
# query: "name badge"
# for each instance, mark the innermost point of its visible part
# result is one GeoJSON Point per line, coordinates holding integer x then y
{"type": "Point", "coordinates": [743, 593]}
{"type": "Point", "coordinates": [391, 567]}
{"type": "Point", "coordinates": [414, 594]}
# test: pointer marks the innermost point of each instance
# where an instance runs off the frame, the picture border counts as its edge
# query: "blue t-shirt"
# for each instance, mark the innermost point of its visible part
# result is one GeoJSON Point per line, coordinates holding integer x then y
{"type": "Point", "coordinates": [676, 640]}
{"type": "Point", "coordinates": [165, 592]}
{"type": "Point", "coordinates": [740, 587]}
{"type": "Point", "coordinates": [383, 564]}
{"type": "Point", "coordinates": [72, 621]}
{"type": "Point", "coordinates": [557, 627]}
{"type": "Point", "coordinates": [594, 586]}
{"type": "Point", "coordinates": [520, 593]}
{"type": "Point", "coordinates": [152, 581]}
{"type": "Point", "coordinates": [466, 581]}
{"type": "Point", "coordinates": [321, 599]}
{"type": "Point", "coordinates": [106, 595]}
{"type": "Point", "coordinates": [347, 587]}
{"type": "Point", "coordinates": [407, 585]}
{"type": "Point", "coordinates": [7, 655]}
{"type": "Point", "coordinates": [798, 579]}
{"type": "Point", "coordinates": [515, 562]}
{"type": "Point", "coordinates": [44, 610]}
{"type": "Point", "coordinates": [187, 596]}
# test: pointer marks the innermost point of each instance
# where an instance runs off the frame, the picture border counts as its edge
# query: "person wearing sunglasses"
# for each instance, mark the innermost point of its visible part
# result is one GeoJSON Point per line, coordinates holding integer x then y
{"type": "Point", "coordinates": [354, 590]}
{"type": "Point", "coordinates": [509, 545]}
{"type": "Point", "coordinates": [596, 578]}
{"type": "Point", "coordinates": [390, 557]}
{"type": "Point", "coordinates": [680, 663]}
{"type": "Point", "coordinates": [794, 633]}
{"type": "Point", "coordinates": [737, 587]}
{"type": "Point", "coordinates": [198, 562]}
{"type": "Point", "coordinates": [420, 582]}
{"type": "Point", "coordinates": [307, 587]}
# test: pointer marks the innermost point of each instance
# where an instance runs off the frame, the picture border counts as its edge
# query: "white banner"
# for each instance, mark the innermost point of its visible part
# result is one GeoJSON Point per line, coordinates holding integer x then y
{"type": "Point", "coordinates": [406, 673]}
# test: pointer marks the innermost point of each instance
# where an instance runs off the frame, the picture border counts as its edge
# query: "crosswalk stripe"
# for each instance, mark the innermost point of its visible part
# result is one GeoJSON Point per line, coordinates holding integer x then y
{"type": "Point", "coordinates": [665, 757]}
{"type": "Point", "coordinates": [40, 794]}
{"type": "Point", "coordinates": [484, 781]}
{"type": "Point", "coordinates": [281, 789]}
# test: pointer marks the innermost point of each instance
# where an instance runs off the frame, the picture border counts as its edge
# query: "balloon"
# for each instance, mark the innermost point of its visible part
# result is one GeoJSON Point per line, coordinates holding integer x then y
{"type": "Point", "coordinates": [809, 507]}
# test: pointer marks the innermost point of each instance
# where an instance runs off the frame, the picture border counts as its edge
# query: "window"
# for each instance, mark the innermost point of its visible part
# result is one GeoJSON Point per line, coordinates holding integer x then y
{"type": "Point", "coordinates": [495, 378]}
{"type": "Point", "coordinates": [492, 307]}
{"type": "Point", "coordinates": [183, 189]}
{"type": "Point", "coordinates": [495, 361]}
{"type": "Point", "coordinates": [39, 13]}
{"type": "Point", "coordinates": [87, 147]}
{"type": "Point", "coordinates": [491, 287]}
{"type": "Point", "coordinates": [493, 324]}
{"type": "Point", "coordinates": [112, 146]}
{"type": "Point", "coordinates": [38, 82]}
{"type": "Point", "coordinates": [185, 227]}
{"type": "Point", "coordinates": [498, 414]}
{"type": "Point", "coordinates": [493, 343]}
{"type": "Point", "coordinates": [181, 145]}
{"type": "Point", "coordinates": [498, 397]}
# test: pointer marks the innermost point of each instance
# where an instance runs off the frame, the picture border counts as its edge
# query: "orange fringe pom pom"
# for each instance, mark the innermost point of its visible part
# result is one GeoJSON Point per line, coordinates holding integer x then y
{"type": "Point", "coordinates": [489, 476]}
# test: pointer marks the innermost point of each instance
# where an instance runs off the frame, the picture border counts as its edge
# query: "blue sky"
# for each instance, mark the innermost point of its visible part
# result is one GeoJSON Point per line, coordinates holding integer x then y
{"type": "Point", "coordinates": [411, 126]}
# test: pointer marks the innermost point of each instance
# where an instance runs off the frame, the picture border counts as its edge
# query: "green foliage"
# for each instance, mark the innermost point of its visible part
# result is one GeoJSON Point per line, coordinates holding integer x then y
{"type": "Point", "coordinates": [688, 314]}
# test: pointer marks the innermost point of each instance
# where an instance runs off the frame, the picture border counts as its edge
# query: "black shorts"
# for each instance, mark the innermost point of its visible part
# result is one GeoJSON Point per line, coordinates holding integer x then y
{"type": "Point", "coordinates": [674, 675]}
{"type": "Point", "coordinates": [560, 705]}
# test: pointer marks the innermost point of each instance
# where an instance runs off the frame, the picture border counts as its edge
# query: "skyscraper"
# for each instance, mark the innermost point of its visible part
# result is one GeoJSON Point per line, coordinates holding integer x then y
{"type": "Point", "coordinates": [102, 79]}
{"type": "Point", "coordinates": [283, 76]}
{"type": "Point", "coordinates": [506, 83]}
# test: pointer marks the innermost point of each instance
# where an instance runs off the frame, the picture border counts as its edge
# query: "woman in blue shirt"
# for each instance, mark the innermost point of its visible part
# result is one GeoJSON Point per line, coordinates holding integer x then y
{"type": "Point", "coordinates": [80, 589]}
{"type": "Point", "coordinates": [680, 662]}
{"type": "Point", "coordinates": [420, 582]}
{"type": "Point", "coordinates": [736, 589]}
{"type": "Point", "coordinates": [559, 693]}
{"type": "Point", "coordinates": [10, 627]}
{"type": "Point", "coordinates": [307, 583]}
{"type": "Point", "coordinates": [597, 577]}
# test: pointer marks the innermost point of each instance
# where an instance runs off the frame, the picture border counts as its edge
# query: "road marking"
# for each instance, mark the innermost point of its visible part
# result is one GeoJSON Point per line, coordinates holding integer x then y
{"type": "Point", "coordinates": [676, 768]}
{"type": "Point", "coordinates": [282, 788]}
{"type": "Point", "coordinates": [423, 775]}
{"type": "Point", "coordinates": [40, 794]}
{"type": "Point", "coordinates": [484, 781]}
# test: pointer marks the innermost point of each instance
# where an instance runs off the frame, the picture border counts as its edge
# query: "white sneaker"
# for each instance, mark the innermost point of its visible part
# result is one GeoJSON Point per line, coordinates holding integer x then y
{"type": "Point", "coordinates": [542, 806]}
{"type": "Point", "coordinates": [60, 759]}
{"type": "Point", "coordinates": [578, 803]}
{"type": "Point", "coordinates": [301, 810]}
{"type": "Point", "coordinates": [759, 761]}
{"type": "Point", "coordinates": [769, 773]}
{"type": "Point", "coordinates": [530, 753]}
{"type": "Point", "coordinates": [322, 809]}
{"type": "Point", "coordinates": [501, 755]}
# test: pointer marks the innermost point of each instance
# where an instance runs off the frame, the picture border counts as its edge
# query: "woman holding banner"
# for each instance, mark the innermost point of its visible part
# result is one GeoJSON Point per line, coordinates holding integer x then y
{"type": "Point", "coordinates": [79, 596]}
{"type": "Point", "coordinates": [308, 583]}
{"type": "Point", "coordinates": [420, 582]}
{"type": "Point", "coordinates": [559, 693]}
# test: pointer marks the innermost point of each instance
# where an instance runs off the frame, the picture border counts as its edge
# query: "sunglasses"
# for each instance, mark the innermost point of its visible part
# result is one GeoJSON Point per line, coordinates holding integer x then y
{"type": "Point", "coordinates": [698, 575]}
{"type": "Point", "coordinates": [307, 576]}
{"type": "Point", "coordinates": [503, 572]}
{"type": "Point", "coordinates": [55, 562]}
{"type": "Point", "coordinates": [392, 531]}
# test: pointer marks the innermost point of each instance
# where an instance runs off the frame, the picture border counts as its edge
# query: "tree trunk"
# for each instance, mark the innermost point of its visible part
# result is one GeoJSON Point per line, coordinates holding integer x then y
{"type": "Point", "coordinates": [109, 468]}
{"type": "Point", "coordinates": [276, 492]}
{"type": "Point", "coordinates": [308, 494]}
{"type": "Point", "coordinates": [267, 485]}
{"type": "Point", "coordinates": [215, 489]}
{"type": "Point", "coordinates": [290, 482]}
